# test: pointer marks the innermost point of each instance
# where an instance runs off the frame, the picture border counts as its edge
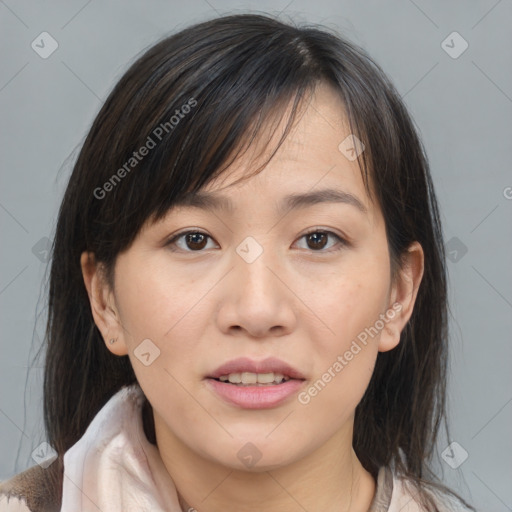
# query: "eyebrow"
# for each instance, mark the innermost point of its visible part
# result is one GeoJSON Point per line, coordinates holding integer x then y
{"type": "Point", "coordinates": [211, 201]}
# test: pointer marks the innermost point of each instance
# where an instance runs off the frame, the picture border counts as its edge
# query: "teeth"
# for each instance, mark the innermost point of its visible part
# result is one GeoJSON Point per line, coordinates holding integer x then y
{"type": "Point", "coordinates": [254, 378]}
{"type": "Point", "coordinates": [263, 378]}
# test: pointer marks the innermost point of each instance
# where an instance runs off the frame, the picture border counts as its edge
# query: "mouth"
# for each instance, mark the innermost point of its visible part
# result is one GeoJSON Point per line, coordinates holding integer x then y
{"type": "Point", "coordinates": [254, 379]}
{"type": "Point", "coordinates": [255, 385]}
{"type": "Point", "coordinates": [243, 369]}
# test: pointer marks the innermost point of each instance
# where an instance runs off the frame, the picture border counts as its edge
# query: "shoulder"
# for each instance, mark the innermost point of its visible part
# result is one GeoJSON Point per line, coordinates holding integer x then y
{"type": "Point", "coordinates": [34, 490]}
{"type": "Point", "coordinates": [406, 498]}
{"type": "Point", "coordinates": [396, 493]}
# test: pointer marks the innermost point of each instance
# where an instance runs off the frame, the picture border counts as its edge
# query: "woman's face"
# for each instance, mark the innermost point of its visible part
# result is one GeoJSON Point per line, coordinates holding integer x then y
{"type": "Point", "coordinates": [251, 287]}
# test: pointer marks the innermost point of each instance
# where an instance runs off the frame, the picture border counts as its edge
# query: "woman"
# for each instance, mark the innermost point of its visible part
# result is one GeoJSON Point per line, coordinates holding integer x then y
{"type": "Point", "coordinates": [247, 303]}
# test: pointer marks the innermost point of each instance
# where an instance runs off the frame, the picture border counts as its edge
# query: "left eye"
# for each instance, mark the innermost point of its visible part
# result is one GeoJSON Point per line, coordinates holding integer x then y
{"type": "Point", "coordinates": [317, 240]}
{"type": "Point", "coordinates": [196, 241]}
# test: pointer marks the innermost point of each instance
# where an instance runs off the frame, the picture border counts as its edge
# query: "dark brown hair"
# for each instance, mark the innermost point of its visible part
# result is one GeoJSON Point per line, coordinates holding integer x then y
{"type": "Point", "coordinates": [236, 73]}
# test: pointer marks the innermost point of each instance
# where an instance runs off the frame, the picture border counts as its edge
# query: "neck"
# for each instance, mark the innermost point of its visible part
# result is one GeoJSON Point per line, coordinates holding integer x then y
{"type": "Point", "coordinates": [330, 479]}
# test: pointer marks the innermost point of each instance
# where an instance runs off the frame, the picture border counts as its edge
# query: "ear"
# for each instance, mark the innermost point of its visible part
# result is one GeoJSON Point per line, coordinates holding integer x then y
{"type": "Point", "coordinates": [103, 307]}
{"type": "Point", "coordinates": [402, 297]}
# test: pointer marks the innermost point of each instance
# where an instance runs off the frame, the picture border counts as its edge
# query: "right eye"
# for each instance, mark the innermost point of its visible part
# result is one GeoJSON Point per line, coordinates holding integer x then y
{"type": "Point", "coordinates": [191, 241]}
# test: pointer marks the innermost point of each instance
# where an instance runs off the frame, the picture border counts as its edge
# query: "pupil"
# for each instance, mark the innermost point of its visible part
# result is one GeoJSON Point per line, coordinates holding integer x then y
{"type": "Point", "coordinates": [315, 238]}
{"type": "Point", "coordinates": [197, 240]}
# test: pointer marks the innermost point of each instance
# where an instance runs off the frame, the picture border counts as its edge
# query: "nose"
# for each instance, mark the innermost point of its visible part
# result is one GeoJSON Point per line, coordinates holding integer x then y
{"type": "Point", "coordinates": [258, 299]}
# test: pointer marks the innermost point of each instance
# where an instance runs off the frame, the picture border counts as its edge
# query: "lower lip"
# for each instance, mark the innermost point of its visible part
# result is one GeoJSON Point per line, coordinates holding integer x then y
{"type": "Point", "coordinates": [256, 397]}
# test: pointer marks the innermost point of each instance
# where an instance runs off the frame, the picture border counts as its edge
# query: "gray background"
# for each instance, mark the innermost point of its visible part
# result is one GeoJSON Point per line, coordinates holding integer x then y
{"type": "Point", "coordinates": [462, 107]}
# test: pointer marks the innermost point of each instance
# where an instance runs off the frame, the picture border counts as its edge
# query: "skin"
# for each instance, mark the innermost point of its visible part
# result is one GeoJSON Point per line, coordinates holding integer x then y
{"type": "Point", "coordinates": [297, 302]}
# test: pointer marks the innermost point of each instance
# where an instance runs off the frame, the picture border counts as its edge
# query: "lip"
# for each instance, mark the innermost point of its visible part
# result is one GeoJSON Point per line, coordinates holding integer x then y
{"type": "Point", "coordinates": [244, 364]}
{"type": "Point", "coordinates": [256, 397]}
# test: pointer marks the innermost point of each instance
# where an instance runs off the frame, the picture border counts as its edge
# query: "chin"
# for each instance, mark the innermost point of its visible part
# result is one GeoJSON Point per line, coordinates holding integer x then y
{"type": "Point", "coordinates": [256, 456]}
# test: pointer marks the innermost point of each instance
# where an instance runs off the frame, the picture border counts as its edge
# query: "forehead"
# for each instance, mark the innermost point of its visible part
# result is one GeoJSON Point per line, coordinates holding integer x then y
{"type": "Point", "coordinates": [310, 166]}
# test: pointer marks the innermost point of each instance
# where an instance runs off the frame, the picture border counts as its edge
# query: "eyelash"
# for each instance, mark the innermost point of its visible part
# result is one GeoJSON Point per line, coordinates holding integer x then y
{"type": "Point", "coordinates": [341, 241]}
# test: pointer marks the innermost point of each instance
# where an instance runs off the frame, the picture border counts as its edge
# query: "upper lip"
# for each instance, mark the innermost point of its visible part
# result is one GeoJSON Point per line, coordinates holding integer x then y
{"type": "Point", "coordinates": [244, 364]}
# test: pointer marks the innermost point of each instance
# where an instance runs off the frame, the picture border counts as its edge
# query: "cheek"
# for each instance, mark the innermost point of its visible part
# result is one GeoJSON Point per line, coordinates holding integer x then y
{"type": "Point", "coordinates": [154, 302]}
{"type": "Point", "coordinates": [351, 301]}
{"type": "Point", "coordinates": [162, 319]}
{"type": "Point", "coordinates": [345, 360]}
{"type": "Point", "coordinates": [332, 398]}
{"type": "Point", "coordinates": [350, 304]}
